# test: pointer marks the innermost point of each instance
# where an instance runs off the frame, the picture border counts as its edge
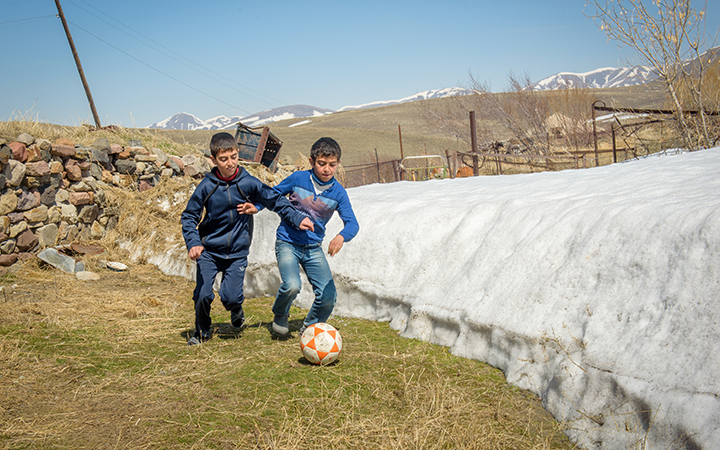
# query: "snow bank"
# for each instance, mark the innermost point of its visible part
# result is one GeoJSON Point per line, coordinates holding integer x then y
{"type": "Point", "coordinates": [597, 289]}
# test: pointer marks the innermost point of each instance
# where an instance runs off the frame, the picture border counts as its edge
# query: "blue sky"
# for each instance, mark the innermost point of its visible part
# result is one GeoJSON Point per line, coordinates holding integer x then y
{"type": "Point", "coordinates": [147, 60]}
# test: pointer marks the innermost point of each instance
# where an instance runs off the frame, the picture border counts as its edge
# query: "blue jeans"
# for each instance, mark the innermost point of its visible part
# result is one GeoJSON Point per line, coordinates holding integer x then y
{"type": "Point", "coordinates": [290, 257]}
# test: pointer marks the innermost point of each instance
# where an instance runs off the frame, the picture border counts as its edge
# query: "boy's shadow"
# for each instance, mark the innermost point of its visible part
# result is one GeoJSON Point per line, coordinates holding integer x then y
{"type": "Point", "coordinates": [227, 331]}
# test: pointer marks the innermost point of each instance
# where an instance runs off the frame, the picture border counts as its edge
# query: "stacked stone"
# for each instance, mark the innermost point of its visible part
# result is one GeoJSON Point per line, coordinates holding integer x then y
{"type": "Point", "coordinates": [52, 193]}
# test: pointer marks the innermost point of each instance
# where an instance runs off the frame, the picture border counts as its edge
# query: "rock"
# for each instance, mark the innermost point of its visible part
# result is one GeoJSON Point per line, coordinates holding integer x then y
{"type": "Point", "coordinates": [143, 185]}
{"type": "Point", "coordinates": [26, 139]}
{"type": "Point", "coordinates": [43, 144]}
{"type": "Point", "coordinates": [8, 260]}
{"type": "Point", "coordinates": [28, 200]}
{"type": "Point", "coordinates": [72, 170]}
{"type": "Point", "coordinates": [37, 169]}
{"type": "Point", "coordinates": [16, 229]}
{"type": "Point", "coordinates": [116, 266]}
{"type": "Point", "coordinates": [56, 167]}
{"type": "Point", "coordinates": [100, 156]}
{"type": "Point", "coordinates": [5, 154]}
{"type": "Point", "coordinates": [146, 158]}
{"type": "Point", "coordinates": [88, 214]}
{"type": "Point", "coordinates": [54, 214]}
{"type": "Point", "coordinates": [26, 241]}
{"type": "Point", "coordinates": [115, 149]}
{"type": "Point", "coordinates": [96, 172]}
{"type": "Point", "coordinates": [15, 217]}
{"type": "Point", "coordinates": [7, 247]}
{"type": "Point", "coordinates": [38, 214]}
{"type": "Point", "coordinates": [4, 224]}
{"type": "Point", "coordinates": [83, 186]}
{"type": "Point", "coordinates": [63, 151]}
{"type": "Point", "coordinates": [102, 144]}
{"type": "Point", "coordinates": [57, 260]}
{"type": "Point", "coordinates": [97, 231]}
{"type": "Point", "coordinates": [47, 197]}
{"type": "Point", "coordinates": [19, 151]}
{"type": "Point", "coordinates": [47, 235]}
{"type": "Point", "coordinates": [160, 156]}
{"type": "Point", "coordinates": [69, 214]}
{"type": "Point", "coordinates": [85, 275]}
{"type": "Point", "coordinates": [125, 166]}
{"type": "Point", "coordinates": [135, 143]}
{"type": "Point", "coordinates": [178, 161]}
{"type": "Point", "coordinates": [14, 172]}
{"type": "Point", "coordinates": [8, 202]}
{"type": "Point", "coordinates": [62, 196]}
{"type": "Point", "coordinates": [81, 198]}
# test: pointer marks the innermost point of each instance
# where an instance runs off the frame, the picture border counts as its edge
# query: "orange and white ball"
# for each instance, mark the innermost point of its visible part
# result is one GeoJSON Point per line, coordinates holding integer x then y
{"type": "Point", "coordinates": [321, 343]}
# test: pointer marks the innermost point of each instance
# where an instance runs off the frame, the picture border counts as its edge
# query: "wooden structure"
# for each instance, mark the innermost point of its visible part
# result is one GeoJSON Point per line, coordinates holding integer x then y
{"type": "Point", "coordinates": [260, 147]}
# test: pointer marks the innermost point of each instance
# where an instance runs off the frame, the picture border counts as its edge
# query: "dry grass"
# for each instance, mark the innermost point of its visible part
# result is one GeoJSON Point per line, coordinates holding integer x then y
{"type": "Point", "coordinates": [103, 364]}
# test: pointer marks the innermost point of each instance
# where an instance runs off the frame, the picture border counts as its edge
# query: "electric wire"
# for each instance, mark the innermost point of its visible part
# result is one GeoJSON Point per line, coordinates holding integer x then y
{"type": "Point", "coordinates": [204, 71]}
{"type": "Point", "coordinates": [156, 69]}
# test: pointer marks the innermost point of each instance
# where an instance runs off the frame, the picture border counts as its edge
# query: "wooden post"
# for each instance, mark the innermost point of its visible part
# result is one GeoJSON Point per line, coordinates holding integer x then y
{"type": "Point", "coordinates": [595, 131]}
{"type": "Point", "coordinates": [401, 147]}
{"type": "Point", "coordinates": [473, 142]}
{"type": "Point", "coordinates": [396, 170]}
{"type": "Point", "coordinates": [377, 160]}
{"type": "Point", "coordinates": [79, 66]}
{"type": "Point", "coordinates": [612, 129]}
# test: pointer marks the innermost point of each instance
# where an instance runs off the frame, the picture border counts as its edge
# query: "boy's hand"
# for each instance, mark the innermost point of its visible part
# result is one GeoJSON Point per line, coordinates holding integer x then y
{"type": "Point", "coordinates": [247, 208]}
{"type": "Point", "coordinates": [194, 252]}
{"type": "Point", "coordinates": [335, 245]}
{"type": "Point", "coordinates": [307, 224]}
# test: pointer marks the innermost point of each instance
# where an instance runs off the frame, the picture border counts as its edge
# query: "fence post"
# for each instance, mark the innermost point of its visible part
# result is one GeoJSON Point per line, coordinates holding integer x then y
{"type": "Point", "coordinates": [396, 169]}
{"type": "Point", "coordinates": [377, 160]}
{"type": "Point", "coordinates": [476, 169]}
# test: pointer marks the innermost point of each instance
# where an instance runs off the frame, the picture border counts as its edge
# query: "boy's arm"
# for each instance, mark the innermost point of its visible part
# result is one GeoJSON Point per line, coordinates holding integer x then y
{"type": "Point", "coordinates": [351, 228]}
{"type": "Point", "coordinates": [190, 218]}
{"type": "Point", "coordinates": [275, 200]}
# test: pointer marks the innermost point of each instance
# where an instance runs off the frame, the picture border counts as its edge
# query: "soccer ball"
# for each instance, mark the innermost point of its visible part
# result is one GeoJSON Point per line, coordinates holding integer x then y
{"type": "Point", "coordinates": [321, 343]}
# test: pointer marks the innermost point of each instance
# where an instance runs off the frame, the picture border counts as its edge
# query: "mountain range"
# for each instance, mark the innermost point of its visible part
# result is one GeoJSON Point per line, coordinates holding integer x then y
{"type": "Point", "coordinates": [600, 78]}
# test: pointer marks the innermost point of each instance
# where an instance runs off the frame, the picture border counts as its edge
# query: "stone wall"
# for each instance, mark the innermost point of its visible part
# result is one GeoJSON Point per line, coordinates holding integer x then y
{"type": "Point", "coordinates": [54, 192]}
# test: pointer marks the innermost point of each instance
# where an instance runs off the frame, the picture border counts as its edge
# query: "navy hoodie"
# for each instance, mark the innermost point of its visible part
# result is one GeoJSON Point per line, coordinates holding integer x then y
{"type": "Point", "coordinates": [223, 232]}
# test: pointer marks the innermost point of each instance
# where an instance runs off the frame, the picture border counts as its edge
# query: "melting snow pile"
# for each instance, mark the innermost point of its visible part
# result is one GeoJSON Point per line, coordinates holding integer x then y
{"type": "Point", "coordinates": [599, 290]}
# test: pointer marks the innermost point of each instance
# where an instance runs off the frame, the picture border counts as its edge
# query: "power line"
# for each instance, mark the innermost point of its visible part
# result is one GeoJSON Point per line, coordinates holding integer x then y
{"type": "Point", "coordinates": [207, 72]}
{"type": "Point", "coordinates": [28, 19]}
{"type": "Point", "coordinates": [157, 70]}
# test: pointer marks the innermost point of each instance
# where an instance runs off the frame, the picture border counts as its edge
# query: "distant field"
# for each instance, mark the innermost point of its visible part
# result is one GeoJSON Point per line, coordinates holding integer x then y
{"type": "Point", "coordinates": [361, 132]}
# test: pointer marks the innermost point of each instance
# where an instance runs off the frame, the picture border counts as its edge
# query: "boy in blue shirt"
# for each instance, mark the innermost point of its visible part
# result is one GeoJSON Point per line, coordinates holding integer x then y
{"type": "Point", "coordinates": [220, 240]}
{"type": "Point", "coordinates": [318, 194]}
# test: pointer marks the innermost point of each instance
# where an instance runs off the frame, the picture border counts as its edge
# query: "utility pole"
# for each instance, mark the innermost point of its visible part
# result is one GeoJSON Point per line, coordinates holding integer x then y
{"type": "Point", "coordinates": [79, 66]}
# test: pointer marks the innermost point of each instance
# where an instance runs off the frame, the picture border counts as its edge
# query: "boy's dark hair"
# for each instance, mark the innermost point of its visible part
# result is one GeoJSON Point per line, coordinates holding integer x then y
{"type": "Point", "coordinates": [221, 141]}
{"type": "Point", "coordinates": [325, 146]}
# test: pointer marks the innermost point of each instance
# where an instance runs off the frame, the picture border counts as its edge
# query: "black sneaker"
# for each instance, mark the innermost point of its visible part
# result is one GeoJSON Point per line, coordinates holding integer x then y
{"type": "Point", "coordinates": [280, 325]}
{"type": "Point", "coordinates": [237, 318]}
{"type": "Point", "coordinates": [195, 340]}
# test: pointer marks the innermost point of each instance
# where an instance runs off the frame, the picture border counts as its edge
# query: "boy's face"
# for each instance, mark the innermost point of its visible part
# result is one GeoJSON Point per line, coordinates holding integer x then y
{"type": "Point", "coordinates": [324, 167]}
{"type": "Point", "coordinates": [226, 161]}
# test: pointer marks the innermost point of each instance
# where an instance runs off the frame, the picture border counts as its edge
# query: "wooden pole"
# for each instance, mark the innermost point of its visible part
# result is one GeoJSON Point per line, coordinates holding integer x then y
{"type": "Point", "coordinates": [377, 160]}
{"type": "Point", "coordinates": [401, 152]}
{"type": "Point", "coordinates": [473, 142]}
{"type": "Point", "coordinates": [79, 66]}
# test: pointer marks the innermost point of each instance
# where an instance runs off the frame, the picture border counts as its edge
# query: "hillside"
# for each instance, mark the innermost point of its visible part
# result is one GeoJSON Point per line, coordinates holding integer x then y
{"type": "Point", "coordinates": [361, 131]}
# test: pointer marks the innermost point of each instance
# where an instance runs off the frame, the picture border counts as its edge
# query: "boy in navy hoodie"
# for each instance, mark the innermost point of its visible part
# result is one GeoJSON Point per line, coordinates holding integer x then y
{"type": "Point", "coordinates": [220, 241]}
{"type": "Point", "coordinates": [318, 194]}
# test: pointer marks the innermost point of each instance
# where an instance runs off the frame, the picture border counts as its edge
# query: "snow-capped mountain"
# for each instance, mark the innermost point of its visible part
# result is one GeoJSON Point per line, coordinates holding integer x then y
{"type": "Point", "coordinates": [608, 77]}
{"type": "Point", "coordinates": [185, 121]}
{"type": "Point", "coordinates": [425, 95]}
